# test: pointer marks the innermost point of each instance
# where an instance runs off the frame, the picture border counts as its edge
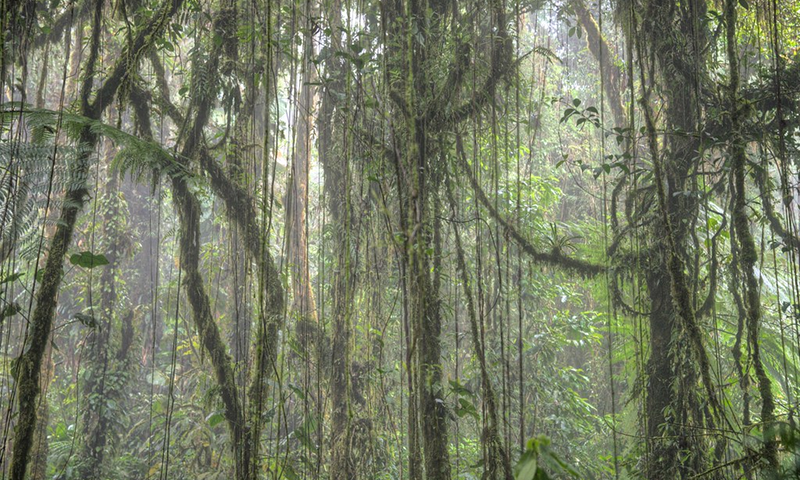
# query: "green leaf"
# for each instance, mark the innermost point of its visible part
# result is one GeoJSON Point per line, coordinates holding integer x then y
{"type": "Point", "coordinates": [289, 473]}
{"type": "Point", "coordinates": [15, 368]}
{"type": "Point", "coordinates": [10, 278]}
{"type": "Point", "coordinates": [9, 310]}
{"type": "Point", "coordinates": [298, 391]}
{"type": "Point", "coordinates": [88, 260]}
{"type": "Point", "coordinates": [466, 408]}
{"type": "Point", "coordinates": [541, 475]}
{"type": "Point", "coordinates": [356, 47]}
{"type": "Point", "coordinates": [460, 389]}
{"type": "Point", "coordinates": [214, 419]}
{"type": "Point", "coordinates": [527, 467]}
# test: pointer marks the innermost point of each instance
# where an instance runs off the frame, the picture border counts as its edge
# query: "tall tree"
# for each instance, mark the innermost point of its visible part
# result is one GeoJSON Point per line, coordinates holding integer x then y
{"type": "Point", "coordinates": [297, 204]}
{"type": "Point", "coordinates": [30, 361]}
{"type": "Point", "coordinates": [110, 339]}
{"type": "Point", "coordinates": [335, 158]}
{"type": "Point", "coordinates": [670, 46]}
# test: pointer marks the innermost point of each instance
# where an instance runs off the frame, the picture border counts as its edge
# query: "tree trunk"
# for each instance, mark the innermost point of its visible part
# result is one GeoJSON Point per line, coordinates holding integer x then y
{"type": "Point", "coordinates": [335, 162]}
{"type": "Point", "coordinates": [38, 470]}
{"type": "Point", "coordinates": [189, 214]}
{"type": "Point", "coordinates": [660, 371]}
{"type": "Point", "coordinates": [678, 358]}
{"type": "Point", "coordinates": [748, 254]}
{"type": "Point", "coordinates": [30, 361]}
{"type": "Point", "coordinates": [610, 73]}
{"type": "Point", "coordinates": [496, 457]}
{"type": "Point", "coordinates": [303, 296]}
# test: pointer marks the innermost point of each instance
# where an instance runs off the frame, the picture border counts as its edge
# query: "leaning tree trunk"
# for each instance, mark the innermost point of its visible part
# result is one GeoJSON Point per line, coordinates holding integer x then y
{"type": "Point", "coordinates": [188, 208]}
{"type": "Point", "coordinates": [245, 426]}
{"type": "Point", "coordinates": [210, 338]}
{"type": "Point", "coordinates": [30, 361]}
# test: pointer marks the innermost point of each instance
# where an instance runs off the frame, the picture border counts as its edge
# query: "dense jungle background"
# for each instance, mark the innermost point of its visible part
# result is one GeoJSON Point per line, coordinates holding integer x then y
{"type": "Point", "coordinates": [399, 239]}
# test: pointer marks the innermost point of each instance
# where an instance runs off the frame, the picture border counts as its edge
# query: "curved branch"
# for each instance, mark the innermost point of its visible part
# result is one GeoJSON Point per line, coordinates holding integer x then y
{"type": "Point", "coordinates": [711, 298]}
{"type": "Point", "coordinates": [482, 96]}
{"type": "Point", "coordinates": [788, 237]}
{"type": "Point", "coordinates": [172, 111]}
{"type": "Point", "coordinates": [616, 297]}
{"type": "Point", "coordinates": [554, 257]}
{"type": "Point", "coordinates": [130, 57]}
{"type": "Point", "coordinates": [501, 64]}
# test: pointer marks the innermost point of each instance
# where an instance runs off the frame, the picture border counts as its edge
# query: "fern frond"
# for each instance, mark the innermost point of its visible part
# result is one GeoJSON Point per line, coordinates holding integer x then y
{"type": "Point", "coordinates": [547, 53]}
{"type": "Point", "coordinates": [136, 156]}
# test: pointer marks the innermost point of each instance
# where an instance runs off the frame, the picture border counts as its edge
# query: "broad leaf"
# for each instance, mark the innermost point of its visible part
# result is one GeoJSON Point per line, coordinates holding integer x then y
{"type": "Point", "coordinates": [88, 260]}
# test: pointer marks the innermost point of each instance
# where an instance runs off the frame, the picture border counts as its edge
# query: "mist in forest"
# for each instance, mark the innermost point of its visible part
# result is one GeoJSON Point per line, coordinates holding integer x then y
{"type": "Point", "coordinates": [439, 240]}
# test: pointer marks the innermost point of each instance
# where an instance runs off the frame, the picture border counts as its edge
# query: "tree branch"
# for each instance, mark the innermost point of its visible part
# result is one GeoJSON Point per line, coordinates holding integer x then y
{"type": "Point", "coordinates": [130, 57]}
{"type": "Point", "coordinates": [554, 257]}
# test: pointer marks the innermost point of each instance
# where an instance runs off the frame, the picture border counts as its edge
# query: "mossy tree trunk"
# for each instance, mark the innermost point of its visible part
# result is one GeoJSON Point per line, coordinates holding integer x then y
{"type": "Point", "coordinates": [38, 470]}
{"type": "Point", "coordinates": [427, 113]}
{"type": "Point", "coordinates": [745, 243]}
{"type": "Point", "coordinates": [243, 421]}
{"type": "Point", "coordinates": [189, 209]}
{"type": "Point", "coordinates": [335, 158]}
{"type": "Point", "coordinates": [672, 41]}
{"type": "Point", "coordinates": [29, 362]}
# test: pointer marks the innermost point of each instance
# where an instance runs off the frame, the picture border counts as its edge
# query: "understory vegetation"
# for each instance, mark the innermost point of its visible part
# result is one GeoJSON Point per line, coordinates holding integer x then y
{"type": "Point", "coordinates": [402, 239]}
